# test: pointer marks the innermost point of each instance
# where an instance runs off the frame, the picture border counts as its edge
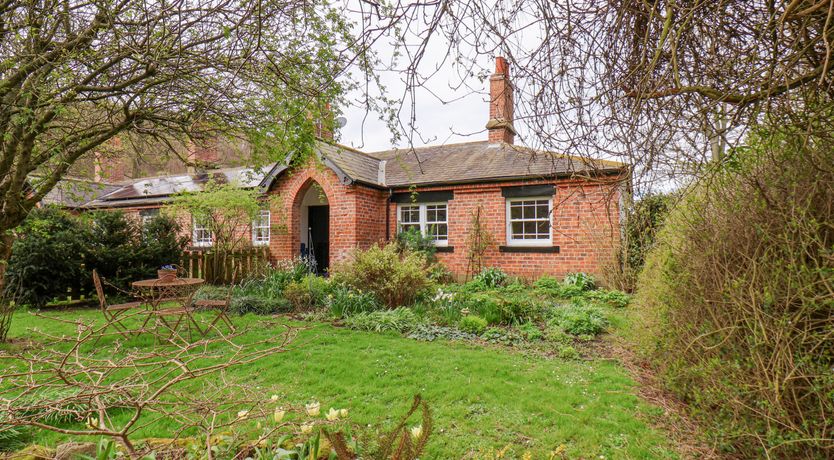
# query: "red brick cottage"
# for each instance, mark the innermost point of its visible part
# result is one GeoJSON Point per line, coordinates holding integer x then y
{"type": "Point", "coordinates": [545, 213]}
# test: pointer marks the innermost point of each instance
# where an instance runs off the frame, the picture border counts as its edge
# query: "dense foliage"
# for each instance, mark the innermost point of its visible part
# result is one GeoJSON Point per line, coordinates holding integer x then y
{"type": "Point", "coordinates": [47, 257]}
{"type": "Point", "coordinates": [737, 299]}
{"type": "Point", "coordinates": [55, 252]}
{"type": "Point", "coordinates": [396, 277]}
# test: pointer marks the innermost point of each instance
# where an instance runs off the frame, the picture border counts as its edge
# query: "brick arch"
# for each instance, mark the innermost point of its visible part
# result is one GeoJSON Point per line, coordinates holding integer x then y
{"type": "Point", "coordinates": [292, 187]}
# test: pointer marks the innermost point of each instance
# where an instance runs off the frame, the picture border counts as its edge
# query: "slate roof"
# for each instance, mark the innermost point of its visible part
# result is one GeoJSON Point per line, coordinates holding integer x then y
{"type": "Point", "coordinates": [443, 164]}
{"type": "Point", "coordinates": [76, 193]}
{"type": "Point", "coordinates": [152, 190]}
{"type": "Point", "coordinates": [479, 161]}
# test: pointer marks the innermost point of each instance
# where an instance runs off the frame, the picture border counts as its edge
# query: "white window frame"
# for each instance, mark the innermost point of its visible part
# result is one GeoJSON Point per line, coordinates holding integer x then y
{"type": "Point", "coordinates": [200, 242]}
{"type": "Point", "coordinates": [148, 214]}
{"type": "Point", "coordinates": [262, 222]}
{"type": "Point", "coordinates": [424, 225]}
{"type": "Point", "coordinates": [537, 242]}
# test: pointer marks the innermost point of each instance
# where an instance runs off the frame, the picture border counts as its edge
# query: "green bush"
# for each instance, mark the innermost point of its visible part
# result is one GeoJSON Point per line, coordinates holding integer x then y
{"type": "Point", "coordinates": [530, 331]}
{"type": "Point", "coordinates": [583, 281]}
{"type": "Point", "coordinates": [616, 299]}
{"type": "Point", "coordinates": [396, 278]}
{"type": "Point", "coordinates": [430, 333]}
{"type": "Point", "coordinates": [498, 308]}
{"type": "Point", "coordinates": [47, 257]}
{"type": "Point", "coordinates": [568, 352]}
{"type": "Point", "coordinates": [491, 278]}
{"type": "Point", "coordinates": [472, 324]}
{"type": "Point", "coordinates": [578, 320]}
{"type": "Point", "coordinates": [414, 241]}
{"type": "Point", "coordinates": [259, 305]}
{"type": "Point", "coordinates": [343, 301]}
{"type": "Point", "coordinates": [735, 302]}
{"type": "Point", "coordinates": [274, 281]}
{"type": "Point", "coordinates": [501, 336]}
{"type": "Point", "coordinates": [307, 293]}
{"type": "Point", "coordinates": [552, 288]}
{"type": "Point", "coordinates": [398, 320]}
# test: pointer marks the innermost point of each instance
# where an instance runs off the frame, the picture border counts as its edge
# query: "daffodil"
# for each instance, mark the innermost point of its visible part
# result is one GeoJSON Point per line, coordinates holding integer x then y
{"type": "Point", "coordinates": [278, 415]}
{"type": "Point", "coordinates": [343, 413]}
{"type": "Point", "coordinates": [307, 428]}
{"type": "Point", "coordinates": [92, 422]}
{"type": "Point", "coordinates": [417, 431]}
{"type": "Point", "coordinates": [332, 415]}
{"type": "Point", "coordinates": [313, 409]}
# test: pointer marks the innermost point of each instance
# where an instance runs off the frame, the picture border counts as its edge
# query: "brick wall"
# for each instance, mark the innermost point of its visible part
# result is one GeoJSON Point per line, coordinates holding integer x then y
{"type": "Point", "coordinates": [585, 224]}
{"type": "Point", "coordinates": [357, 213]}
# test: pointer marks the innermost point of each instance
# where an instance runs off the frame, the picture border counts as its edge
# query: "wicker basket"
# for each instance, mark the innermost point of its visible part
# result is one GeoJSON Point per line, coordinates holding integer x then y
{"type": "Point", "coordinates": [166, 274]}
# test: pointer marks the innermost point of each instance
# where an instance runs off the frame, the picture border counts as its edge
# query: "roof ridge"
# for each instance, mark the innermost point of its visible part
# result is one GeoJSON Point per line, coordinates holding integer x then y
{"type": "Point", "coordinates": [422, 147]}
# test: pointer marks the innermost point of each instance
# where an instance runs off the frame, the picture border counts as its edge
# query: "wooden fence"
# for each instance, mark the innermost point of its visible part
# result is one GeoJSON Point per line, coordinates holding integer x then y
{"type": "Point", "coordinates": [225, 267]}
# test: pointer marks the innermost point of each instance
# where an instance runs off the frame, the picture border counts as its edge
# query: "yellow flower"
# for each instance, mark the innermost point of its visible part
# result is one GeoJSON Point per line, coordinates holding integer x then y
{"type": "Point", "coordinates": [242, 414]}
{"type": "Point", "coordinates": [332, 415]}
{"type": "Point", "coordinates": [274, 397]}
{"type": "Point", "coordinates": [258, 425]}
{"type": "Point", "coordinates": [307, 428]}
{"type": "Point", "coordinates": [313, 409]}
{"type": "Point", "coordinates": [278, 415]}
{"type": "Point", "coordinates": [343, 413]}
{"type": "Point", "coordinates": [92, 422]}
{"type": "Point", "coordinates": [417, 431]}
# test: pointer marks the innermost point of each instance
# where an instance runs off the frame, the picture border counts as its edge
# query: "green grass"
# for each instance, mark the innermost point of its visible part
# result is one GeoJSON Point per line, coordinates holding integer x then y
{"type": "Point", "coordinates": [481, 398]}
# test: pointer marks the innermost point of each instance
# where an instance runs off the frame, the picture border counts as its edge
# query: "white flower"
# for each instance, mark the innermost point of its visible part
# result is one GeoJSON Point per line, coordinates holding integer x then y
{"type": "Point", "coordinates": [343, 413]}
{"type": "Point", "coordinates": [274, 397]}
{"type": "Point", "coordinates": [307, 428]}
{"type": "Point", "coordinates": [313, 409]}
{"type": "Point", "coordinates": [332, 415]}
{"type": "Point", "coordinates": [417, 431]}
{"type": "Point", "coordinates": [242, 414]}
{"type": "Point", "coordinates": [278, 415]}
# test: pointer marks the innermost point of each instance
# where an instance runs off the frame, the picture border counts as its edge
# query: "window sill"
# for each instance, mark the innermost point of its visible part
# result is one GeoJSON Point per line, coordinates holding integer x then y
{"type": "Point", "coordinates": [444, 249]}
{"type": "Point", "coordinates": [530, 249]}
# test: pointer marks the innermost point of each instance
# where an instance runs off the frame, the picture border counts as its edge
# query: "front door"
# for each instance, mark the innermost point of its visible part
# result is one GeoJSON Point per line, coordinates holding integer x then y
{"type": "Point", "coordinates": [318, 218]}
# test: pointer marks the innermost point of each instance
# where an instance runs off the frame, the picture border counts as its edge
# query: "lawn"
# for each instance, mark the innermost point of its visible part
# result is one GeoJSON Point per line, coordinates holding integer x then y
{"type": "Point", "coordinates": [482, 398]}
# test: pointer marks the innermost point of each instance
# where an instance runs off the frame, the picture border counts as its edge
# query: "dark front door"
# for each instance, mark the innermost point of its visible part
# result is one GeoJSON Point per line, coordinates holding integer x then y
{"type": "Point", "coordinates": [318, 218]}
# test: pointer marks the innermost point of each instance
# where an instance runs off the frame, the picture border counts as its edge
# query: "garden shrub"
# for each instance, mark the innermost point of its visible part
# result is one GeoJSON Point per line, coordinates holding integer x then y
{"type": "Point", "coordinates": [472, 324]}
{"type": "Point", "coordinates": [530, 331]}
{"type": "Point", "coordinates": [616, 299]}
{"type": "Point", "coordinates": [413, 240]}
{"type": "Point", "coordinates": [578, 319]}
{"type": "Point", "coordinates": [398, 320]}
{"type": "Point", "coordinates": [501, 336]}
{"type": "Point", "coordinates": [552, 288]}
{"type": "Point", "coordinates": [736, 299]}
{"type": "Point", "coordinates": [259, 305]}
{"type": "Point", "coordinates": [343, 301]}
{"type": "Point", "coordinates": [583, 281]}
{"type": "Point", "coordinates": [568, 352]}
{"type": "Point", "coordinates": [307, 293]}
{"type": "Point", "coordinates": [272, 282]}
{"type": "Point", "coordinates": [396, 278]}
{"type": "Point", "coordinates": [497, 308]}
{"type": "Point", "coordinates": [430, 333]}
{"type": "Point", "coordinates": [491, 278]}
{"type": "Point", "coordinates": [47, 257]}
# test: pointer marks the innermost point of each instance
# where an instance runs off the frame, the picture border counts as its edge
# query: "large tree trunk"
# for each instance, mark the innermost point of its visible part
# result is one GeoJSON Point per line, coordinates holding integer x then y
{"type": "Point", "coordinates": [6, 306]}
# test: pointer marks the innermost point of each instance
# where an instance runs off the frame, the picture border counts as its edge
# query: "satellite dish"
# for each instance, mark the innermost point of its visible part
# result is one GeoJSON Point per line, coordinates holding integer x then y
{"type": "Point", "coordinates": [341, 122]}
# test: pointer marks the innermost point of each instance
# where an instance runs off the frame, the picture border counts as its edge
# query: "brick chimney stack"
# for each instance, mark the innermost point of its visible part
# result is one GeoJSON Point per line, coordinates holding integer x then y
{"type": "Point", "coordinates": [500, 124]}
{"type": "Point", "coordinates": [109, 164]}
{"type": "Point", "coordinates": [324, 125]}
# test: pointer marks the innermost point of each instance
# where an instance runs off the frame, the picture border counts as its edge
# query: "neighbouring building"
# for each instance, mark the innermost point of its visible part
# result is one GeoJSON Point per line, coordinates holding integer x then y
{"type": "Point", "coordinates": [543, 213]}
